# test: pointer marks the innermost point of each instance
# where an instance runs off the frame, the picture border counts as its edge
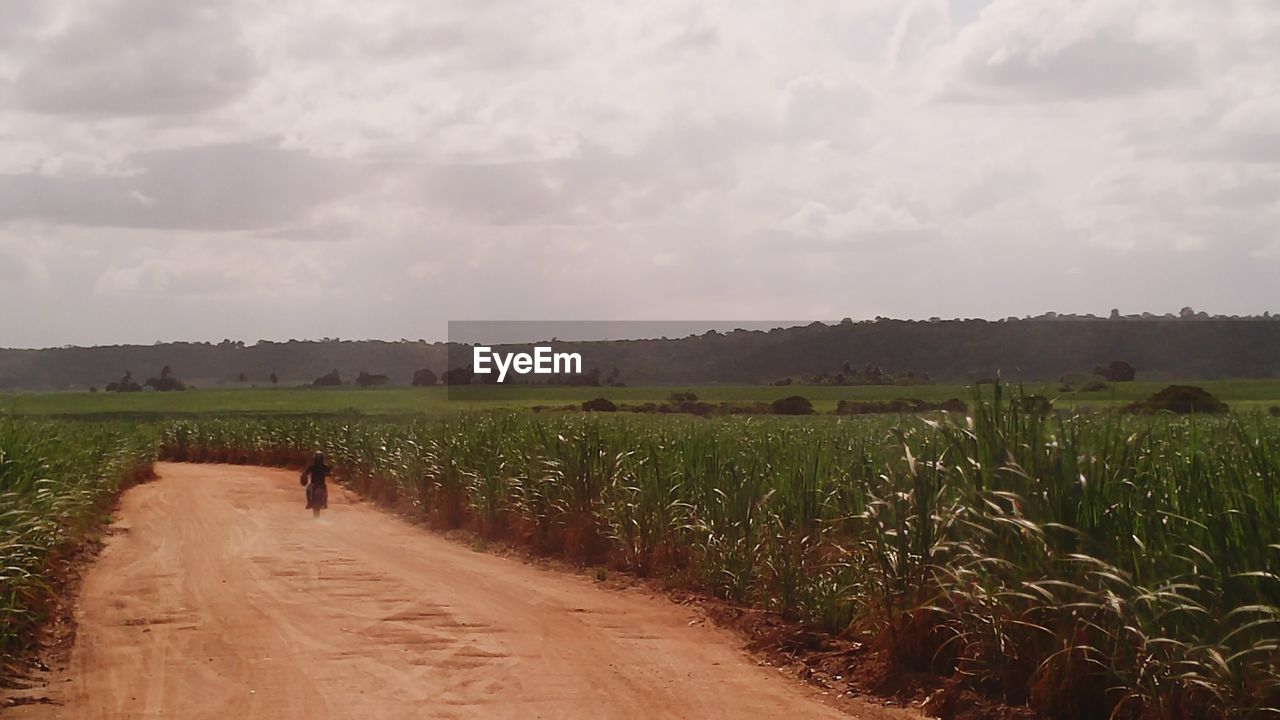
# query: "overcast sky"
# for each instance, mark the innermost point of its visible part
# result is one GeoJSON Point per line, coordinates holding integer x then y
{"type": "Point", "coordinates": [307, 168]}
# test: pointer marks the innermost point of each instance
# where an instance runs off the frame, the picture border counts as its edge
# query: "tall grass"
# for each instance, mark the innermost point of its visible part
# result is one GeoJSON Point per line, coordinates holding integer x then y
{"type": "Point", "coordinates": [57, 480]}
{"type": "Point", "coordinates": [1086, 565]}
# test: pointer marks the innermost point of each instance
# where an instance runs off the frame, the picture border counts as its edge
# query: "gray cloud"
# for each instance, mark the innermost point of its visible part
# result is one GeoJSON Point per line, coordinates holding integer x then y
{"type": "Point", "coordinates": [1082, 49]}
{"type": "Point", "coordinates": [1253, 193]}
{"type": "Point", "coordinates": [138, 57]}
{"type": "Point", "coordinates": [595, 186]}
{"type": "Point", "coordinates": [1100, 66]}
{"type": "Point", "coordinates": [478, 38]}
{"type": "Point", "coordinates": [21, 18]}
{"type": "Point", "coordinates": [1255, 147]}
{"type": "Point", "coordinates": [214, 187]}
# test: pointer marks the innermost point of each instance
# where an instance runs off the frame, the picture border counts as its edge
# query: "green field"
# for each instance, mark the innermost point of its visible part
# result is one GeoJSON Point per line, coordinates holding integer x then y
{"type": "Point", "coordinates": [1110, 564]}
{"type": "Point", "coordinates": [1090, 565]}
{"type": "Point", "coordinates": [1242, 395]}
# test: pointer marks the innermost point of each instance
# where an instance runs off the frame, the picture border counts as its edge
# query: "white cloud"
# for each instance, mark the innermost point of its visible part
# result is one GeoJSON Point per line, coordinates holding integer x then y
{"type": "Point", "coordinates": [543, 158]}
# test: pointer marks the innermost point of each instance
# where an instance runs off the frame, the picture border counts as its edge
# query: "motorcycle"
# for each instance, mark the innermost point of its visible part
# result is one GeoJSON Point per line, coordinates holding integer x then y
{"type": "Point", "coordinates": [317, 498]}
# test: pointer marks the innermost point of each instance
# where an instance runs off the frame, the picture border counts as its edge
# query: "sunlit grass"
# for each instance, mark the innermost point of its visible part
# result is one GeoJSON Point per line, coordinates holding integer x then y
{"type": "Point", "coordinates": [1082, 563]}
{"type": "Point", "coordinates": [56, 481]}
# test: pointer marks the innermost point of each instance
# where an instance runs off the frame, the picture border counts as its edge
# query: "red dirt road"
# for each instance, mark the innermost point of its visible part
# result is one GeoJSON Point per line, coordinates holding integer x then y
{"type": "Point", "coordinates": [250, 608]}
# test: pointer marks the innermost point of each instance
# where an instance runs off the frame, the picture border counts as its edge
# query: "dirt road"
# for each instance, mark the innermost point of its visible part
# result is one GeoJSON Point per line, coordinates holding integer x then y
{"type": "Point", "coordinates": [252, 609]}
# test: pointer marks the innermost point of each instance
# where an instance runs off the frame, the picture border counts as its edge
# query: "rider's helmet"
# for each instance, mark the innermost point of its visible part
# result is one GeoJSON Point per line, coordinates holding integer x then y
{"type": "Point", "coordinates": [319, 457]}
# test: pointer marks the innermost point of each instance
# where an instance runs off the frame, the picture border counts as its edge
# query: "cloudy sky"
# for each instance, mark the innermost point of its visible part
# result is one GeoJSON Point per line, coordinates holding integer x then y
{"type": "Point", "coordinates": [373, 168]}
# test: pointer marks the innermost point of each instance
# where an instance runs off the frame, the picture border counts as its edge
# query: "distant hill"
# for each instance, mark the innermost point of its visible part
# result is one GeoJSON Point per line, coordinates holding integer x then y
{"type": "Point", "coordinates": [215, 365]}
{"type": "Point", "coordinates": [1187, 347]}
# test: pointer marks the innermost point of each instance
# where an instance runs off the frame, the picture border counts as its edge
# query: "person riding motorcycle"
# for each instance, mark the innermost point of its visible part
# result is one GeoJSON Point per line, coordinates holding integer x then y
{"type": "Point", "coordinates": [317, 491]}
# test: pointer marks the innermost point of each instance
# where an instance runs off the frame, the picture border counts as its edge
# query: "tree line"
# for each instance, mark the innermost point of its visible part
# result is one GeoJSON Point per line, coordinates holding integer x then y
{"type": "Point", "coordinates": [942, 351]}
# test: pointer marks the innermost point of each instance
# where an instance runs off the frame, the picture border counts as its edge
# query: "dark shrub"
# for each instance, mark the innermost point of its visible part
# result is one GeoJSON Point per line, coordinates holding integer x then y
{"type": "Point", "coordinates": [126, 384]}
{"type": "Point", "coordinates": [330, 379]}
{"type": "Point", "coordinates": [457, 376]}
{"type": "Point", "coordinates": [365, 380]}
{"type": "Point", "coordinates": [1275, 409]}
{"type": "Point", "coordinates": [1184, 399]}
{"type": "Point", "coordinates": [424, 378]}
{"type": "Point", "coordinates": [166, 382]}
{"type": "Point", "coordinates": [681, 397]}
{"type": "Point", "coordinates": [695, 408]}
{"type": "Point", "coordinates": [599, 405]}
{"type": "Point", "coordinates": [793, 405]}
{"type": "Point", "coordinates": [1116, 371]}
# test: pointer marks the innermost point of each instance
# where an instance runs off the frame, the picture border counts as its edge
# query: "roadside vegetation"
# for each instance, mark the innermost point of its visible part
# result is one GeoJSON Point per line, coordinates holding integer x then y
{"type": "Point", "coordinates": [1240, 395]}
{"type": "Point", "coordinates": [1086, 565]}
{"type": "Point", "coordinates": [58, 481]}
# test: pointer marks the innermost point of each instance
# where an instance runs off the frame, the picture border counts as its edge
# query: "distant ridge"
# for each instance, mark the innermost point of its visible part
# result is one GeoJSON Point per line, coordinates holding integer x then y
{"type": "Point", "coordinates": [1186, 346]}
